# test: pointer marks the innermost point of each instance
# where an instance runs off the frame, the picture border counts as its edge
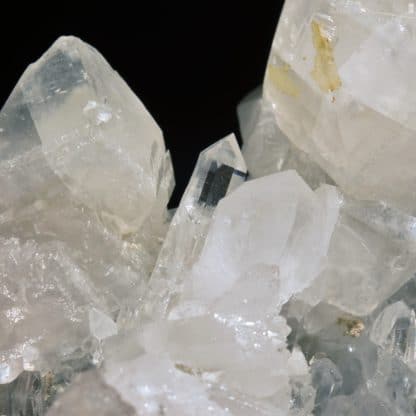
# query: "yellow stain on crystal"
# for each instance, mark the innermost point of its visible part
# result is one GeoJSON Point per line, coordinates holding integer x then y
{"type": "Point", "coordinates": [325, 71]}
{"type": "Point", "coordinates": [354, 327]}
{"type": "Point", "coordinates": [281, 77]}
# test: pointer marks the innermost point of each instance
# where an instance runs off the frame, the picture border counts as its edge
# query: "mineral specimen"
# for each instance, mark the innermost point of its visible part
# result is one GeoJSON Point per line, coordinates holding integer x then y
{"type": "Point", "coordinates": [85, 180]}
{"type": "Point", "coordinates": [284, 289]}
{"type": "Point", "coordinates": [267, 150]}
{"type": "Point", "coordinates": [219, 170]}
{"type": "Point", "coordinates": [88, 395]}
{"type": "Point", "coordinates": [340, 78]}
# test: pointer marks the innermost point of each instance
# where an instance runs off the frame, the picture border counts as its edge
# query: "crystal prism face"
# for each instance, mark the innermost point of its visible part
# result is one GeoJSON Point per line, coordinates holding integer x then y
{"type": "Point", "coordinates": [223, 345]}
{"type": "Point", "coordinates": [268, 291]}
{"type": "Point", "coordinates": [95, 133]}
{"type": "Point", "coordinates": [267, 150]}
{"type": "Point", "coordinates": [219, 170]}
{"type": "Point", "coordinates": [248, 237]}
{"type": "Point", "coordinates": [89, 395]}
{"type": "Point", "coordinates": [340, 79]}
{"type": "Point", "coordinates": [85, 181]}
{"type": "Point", "coordinates": [357, 280]}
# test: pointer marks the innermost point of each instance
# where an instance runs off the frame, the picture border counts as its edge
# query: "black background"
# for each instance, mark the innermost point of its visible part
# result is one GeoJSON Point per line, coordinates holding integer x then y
{"type": "Point", "coordinates": [189, 62]}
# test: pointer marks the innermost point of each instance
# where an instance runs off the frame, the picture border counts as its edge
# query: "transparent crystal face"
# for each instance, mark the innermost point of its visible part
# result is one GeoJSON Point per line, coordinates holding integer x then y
{"type": "Point", "coordinates": [283, 283]}
{"type": "Point", "coordinates": [339, 78]}
{"type": "Point", "coordinates": [85, 182]}
{"type": "Point", "coordinates": [219, 170]}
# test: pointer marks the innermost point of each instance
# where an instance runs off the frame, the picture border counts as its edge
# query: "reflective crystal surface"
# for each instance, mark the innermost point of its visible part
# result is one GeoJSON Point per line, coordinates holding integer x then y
{"type": "Point", "coordinates": [284, 282]}
{"type": "Point", "coordinates": [219, 170]}
{"type": "Point", "coordinates": [85, 181]}
{"type": "Point", "coordinates": [372, 254]}
{"type": "Point", "coordinates": [266, 148]}
{"type": "Point", "coordinates": [89, 395]}
{"type": "Point", "coordinates": [340, 79]}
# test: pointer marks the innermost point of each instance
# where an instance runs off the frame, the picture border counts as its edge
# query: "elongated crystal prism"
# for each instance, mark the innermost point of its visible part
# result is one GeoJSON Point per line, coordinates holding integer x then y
{"type": "Point", "coordinates": [85, 181]}
{"type": "Point", "coordinates": [219, 170]}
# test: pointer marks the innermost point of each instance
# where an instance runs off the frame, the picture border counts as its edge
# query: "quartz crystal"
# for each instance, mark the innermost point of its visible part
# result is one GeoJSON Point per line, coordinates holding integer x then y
{"type": "Point", "coordinates": [223, 341]}
{"type": "Point", "coordinates": [284, 282]}
{"type": "Point", "coordinates": [371, 255]}
{"type": "Point", "coordinates": [89, 395]}
{"type": "Point", "coordinates": [266, 149]}
{"type": "Point", "coordinates": [219, 170]}
{"type": "Point", "coordinates": [226, 325]}
{"type": "Point", "coordinates": [254, 242]}
{"type": "Point", "coordinates": [340, 79]}
{"type": "Point", "coordinates": [85, 181]}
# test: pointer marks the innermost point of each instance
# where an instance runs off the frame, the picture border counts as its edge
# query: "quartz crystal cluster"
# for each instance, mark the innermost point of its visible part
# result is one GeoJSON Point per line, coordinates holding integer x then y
{"type": "Point", "coordinates": [284, 282]}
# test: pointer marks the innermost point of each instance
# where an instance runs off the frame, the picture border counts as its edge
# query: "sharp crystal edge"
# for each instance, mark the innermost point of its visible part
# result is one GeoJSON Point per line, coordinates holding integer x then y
{"type": "Point", "coordinates": [266, 148]}
{"type": "Point", "coordinates": [219, 170]}
{"type": "Point", "coordinates": [340, 79]}
{"type": "Point", "coordinates": [85, 181]}
{"type": "Point", "coordinates": [292, 293]}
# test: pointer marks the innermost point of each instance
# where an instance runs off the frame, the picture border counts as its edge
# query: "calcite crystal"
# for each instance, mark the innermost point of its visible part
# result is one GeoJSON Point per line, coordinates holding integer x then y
{"type": "Point", "coordinates": [284, 282]}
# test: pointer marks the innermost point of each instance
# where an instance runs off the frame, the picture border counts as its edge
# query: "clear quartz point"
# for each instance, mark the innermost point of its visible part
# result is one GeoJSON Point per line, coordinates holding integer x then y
{"type": "Point", "coordinates": [85, 181]}
{"type": "Point", "coordinates": [219, 170]}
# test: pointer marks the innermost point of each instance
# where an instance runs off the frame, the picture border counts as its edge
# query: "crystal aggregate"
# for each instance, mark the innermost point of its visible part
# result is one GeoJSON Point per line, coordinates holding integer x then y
{"type": "Point", "coordinates": [283, 283]}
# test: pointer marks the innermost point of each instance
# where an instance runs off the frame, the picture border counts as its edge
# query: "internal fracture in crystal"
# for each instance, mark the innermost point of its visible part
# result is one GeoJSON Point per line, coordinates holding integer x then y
{"type": "Point", "coordinates": [283, 284]}
{"type": "Point", "coordinates": [85, 181]}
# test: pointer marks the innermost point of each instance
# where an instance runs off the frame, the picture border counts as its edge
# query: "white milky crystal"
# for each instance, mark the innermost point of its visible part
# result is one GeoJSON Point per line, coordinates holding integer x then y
{"type": "Point", "coordinates": [85, 180]}
{"type": "Point", "coordinates": [280, 296]}
{"type": "Point", "coordinates": [223, 345]}
{"type": "Point", "coordinates": [370, 256]}
{"type": "Point", "coordinates": [154, 386]}
{"type": "Point", "coordinates": [248, 236]}
{"type": "Point", "coordinates": [340, 78]}
{"type": "Point", "coordinates": [89, 395]}
{"type": "Point", "coordinates": [101, 326]}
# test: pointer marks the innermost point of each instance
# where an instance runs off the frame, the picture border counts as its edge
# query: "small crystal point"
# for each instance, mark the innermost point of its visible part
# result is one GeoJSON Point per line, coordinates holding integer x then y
{"type": "Point", "coordinates": [219, 170]}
